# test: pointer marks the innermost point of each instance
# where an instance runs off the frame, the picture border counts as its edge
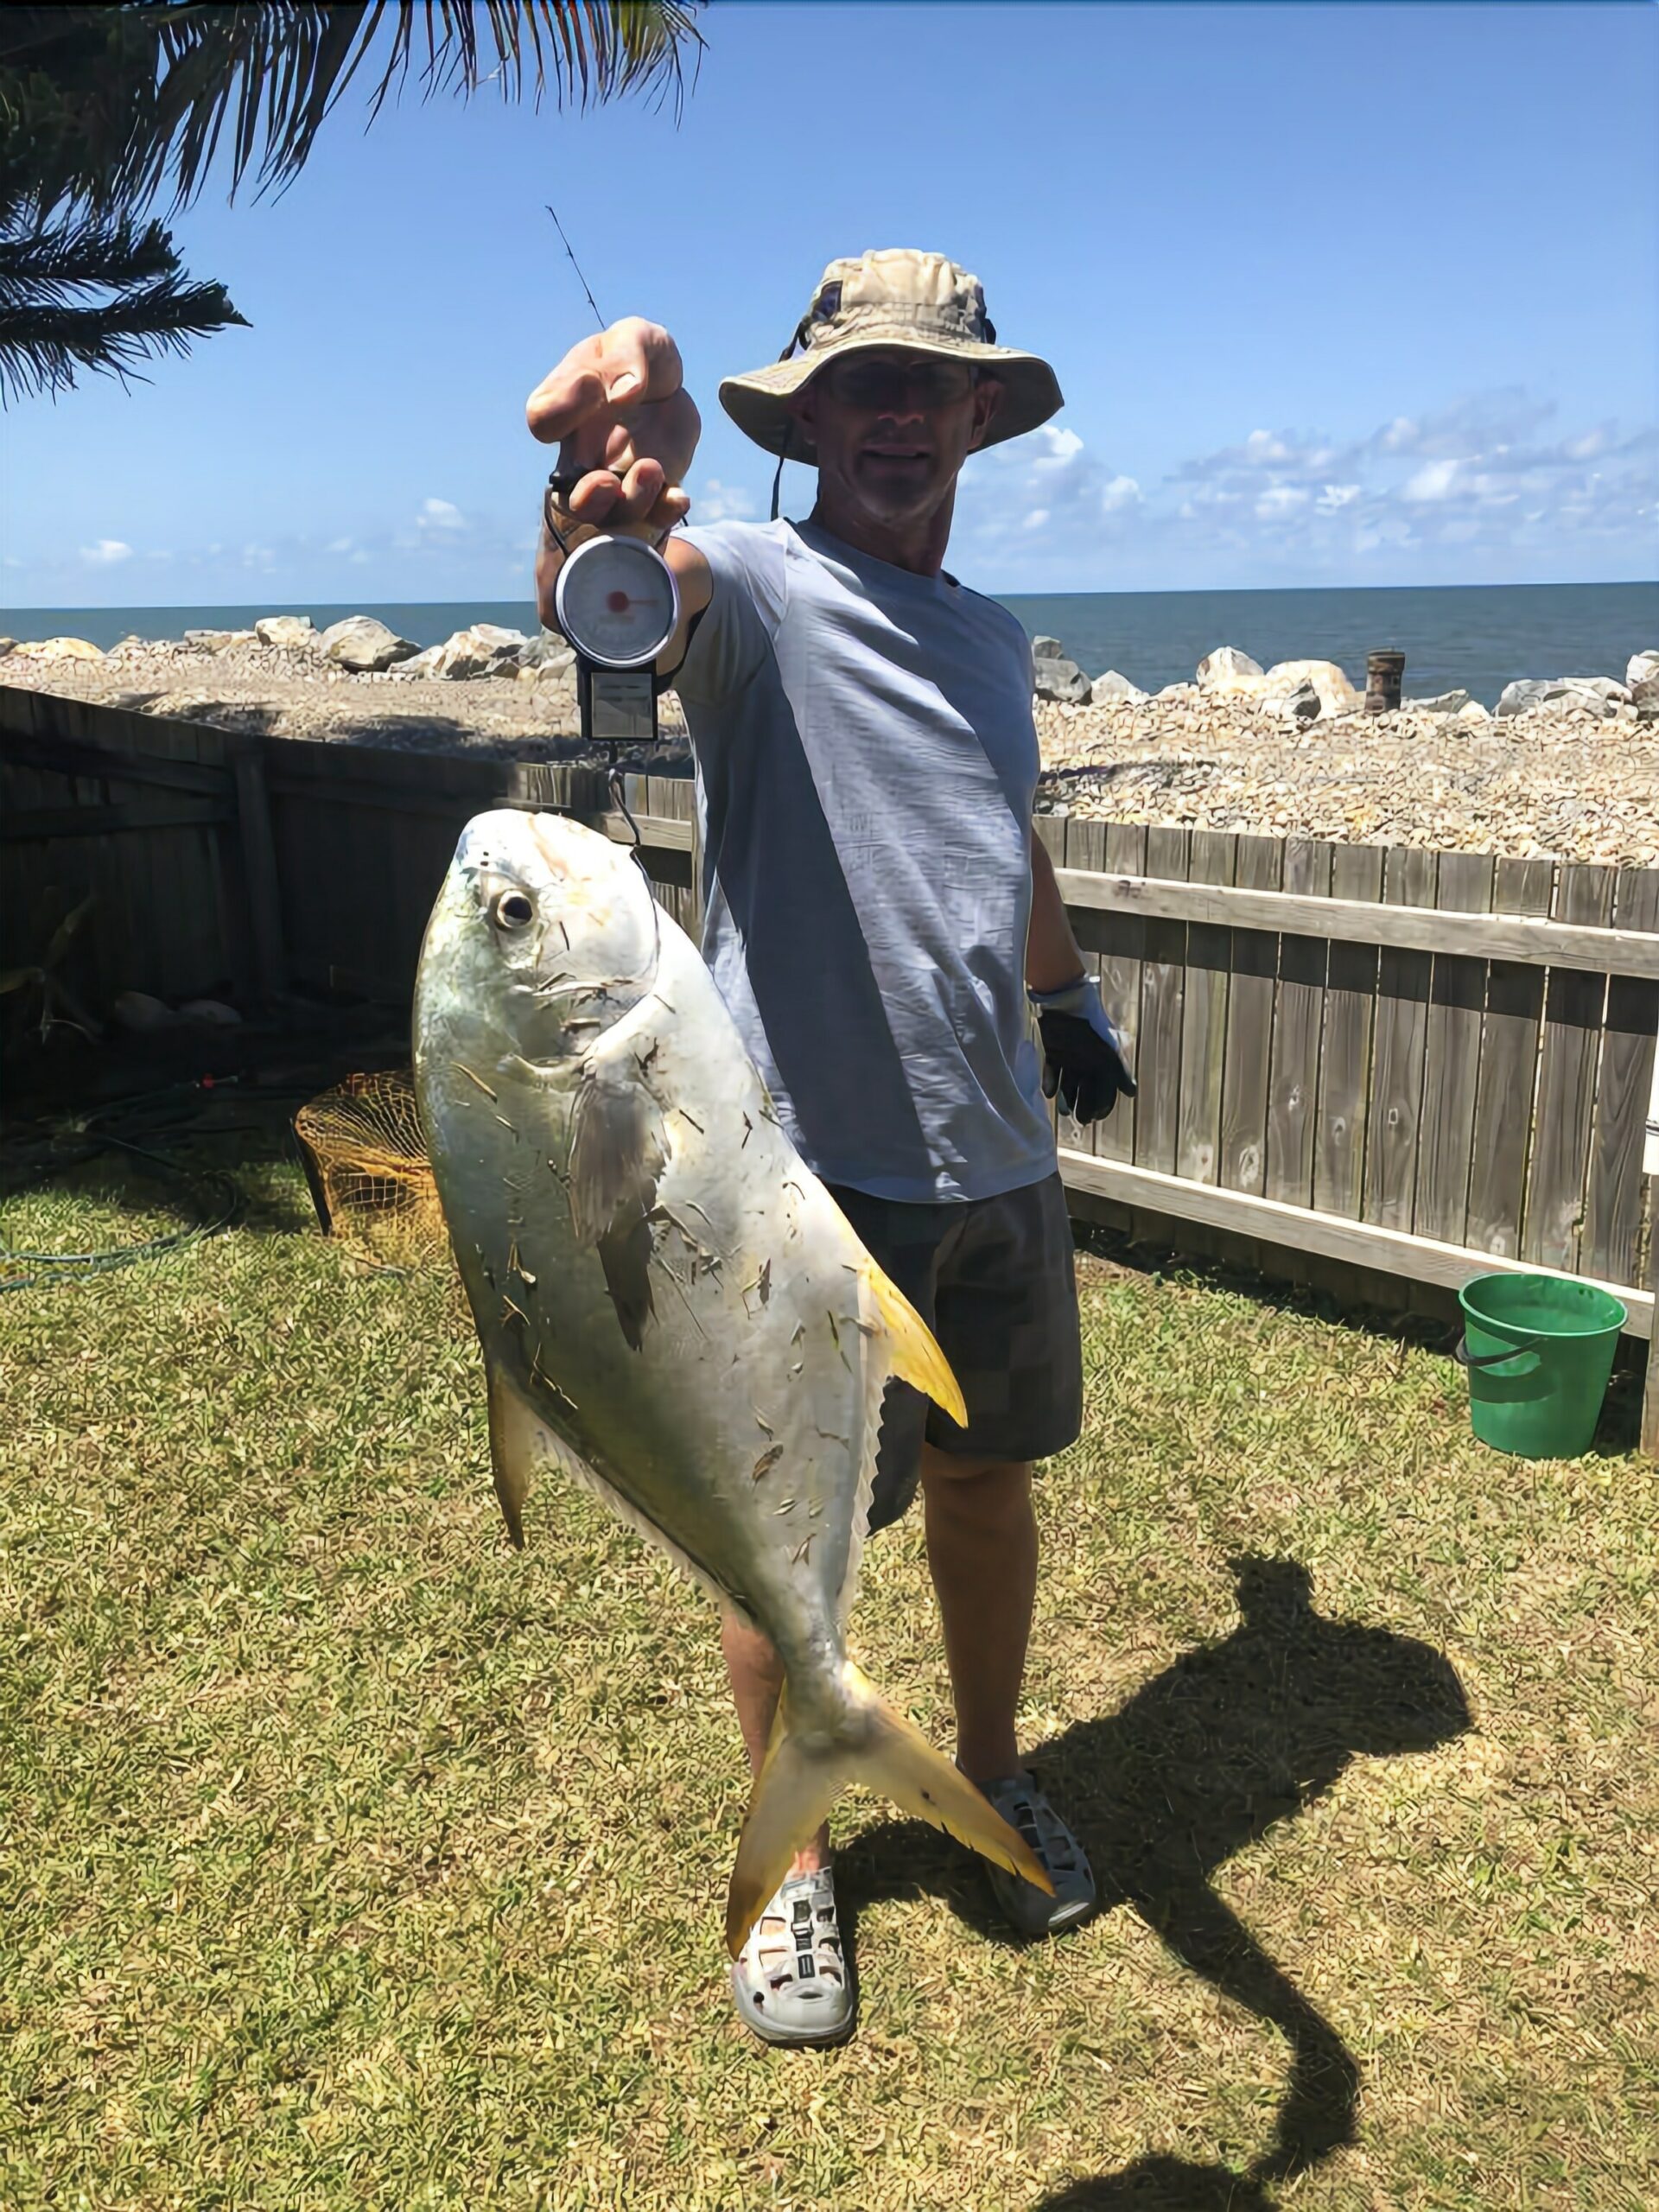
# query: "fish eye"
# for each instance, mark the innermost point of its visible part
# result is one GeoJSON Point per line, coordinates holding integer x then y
{"type": "Point", "coordinates": [512, 910]}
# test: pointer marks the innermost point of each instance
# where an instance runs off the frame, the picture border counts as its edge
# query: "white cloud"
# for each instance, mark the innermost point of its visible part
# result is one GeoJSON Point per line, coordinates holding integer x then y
{"type": "Point", "coordinates": [1037, 519]}
{"type": "Point", "coordinates": [1433, 482]}
{"type": "Point", "coordinates": [106, 553]}
{"type": "Point", "coordinates": [1280, 499]}
{"type": "Point", "coordinates": [1335, 496]}
{"type": "Point", "coordinates": [440, 514]}
{"type": "Point", "coordinates": [339, 545]}
{"type": "Point", "coordinates": [1262, 446]}
{"type": "Point", "coordinates": [1058, 446]}
{"type": "Point", "coordinates": [1122, 491]}
{"type": "Point", "coordinates": [717, 502]}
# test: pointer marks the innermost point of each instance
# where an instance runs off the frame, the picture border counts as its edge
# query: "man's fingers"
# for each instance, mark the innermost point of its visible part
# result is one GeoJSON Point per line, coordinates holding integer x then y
{"type": "Point", "coordinates": [632, 362]}
{"type": "Point", "coordinates": [563, 402]}
{"type": "Point", "coordinates": [642, 486]}
{"type": "Point", "coordinates": [595, 498]}
{"type": "Point", "coordinates": [638, 360]}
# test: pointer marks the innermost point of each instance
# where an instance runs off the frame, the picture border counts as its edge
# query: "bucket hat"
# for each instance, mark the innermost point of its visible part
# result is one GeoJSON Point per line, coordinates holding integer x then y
{"type": "Point", "coordinates": [895, 297]}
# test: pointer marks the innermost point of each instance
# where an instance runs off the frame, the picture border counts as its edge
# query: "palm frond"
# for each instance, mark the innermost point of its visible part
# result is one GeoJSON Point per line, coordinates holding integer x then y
{"type": "Point", "coordinates": [155, 88]}
{"type": "Point", "coordinates": [48, 332]}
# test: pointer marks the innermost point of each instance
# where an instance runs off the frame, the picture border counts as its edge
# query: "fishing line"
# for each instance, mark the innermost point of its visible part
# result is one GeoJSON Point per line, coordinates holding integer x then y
{"type": "Point", "coordinates": [576, 265]}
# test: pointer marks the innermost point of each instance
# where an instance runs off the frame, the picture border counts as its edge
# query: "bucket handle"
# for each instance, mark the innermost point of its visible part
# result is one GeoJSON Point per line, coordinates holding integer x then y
{"type": "Point", "coordinates": [1464, 1357]}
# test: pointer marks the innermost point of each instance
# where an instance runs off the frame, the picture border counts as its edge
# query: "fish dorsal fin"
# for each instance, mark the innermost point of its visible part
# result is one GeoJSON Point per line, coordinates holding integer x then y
{"type": "Point", "coordinates": [617, 1147]}
{"type": "Point", "coordinates": [915, 1354]}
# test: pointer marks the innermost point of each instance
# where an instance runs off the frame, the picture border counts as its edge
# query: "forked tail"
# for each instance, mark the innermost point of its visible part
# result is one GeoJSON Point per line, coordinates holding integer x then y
{"type": "Point", "coordinates": [879, 1747]}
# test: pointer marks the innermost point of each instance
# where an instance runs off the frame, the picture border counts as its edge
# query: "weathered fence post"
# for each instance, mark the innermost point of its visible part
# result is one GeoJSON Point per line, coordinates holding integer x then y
{"type": "Point", "coordinates": [1650, 1171]}
{"type": "Point", "coordinates": [261, 881]}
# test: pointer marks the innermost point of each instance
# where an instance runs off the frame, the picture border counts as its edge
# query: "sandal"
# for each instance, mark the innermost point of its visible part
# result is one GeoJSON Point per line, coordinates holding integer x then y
{"type": "Point", "coordinates": [790, 1981]}
{"type": "Point", "coordinates": [1019, 1799]}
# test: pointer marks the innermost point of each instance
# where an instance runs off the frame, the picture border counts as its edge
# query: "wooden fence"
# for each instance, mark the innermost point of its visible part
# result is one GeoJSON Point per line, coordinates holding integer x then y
{"type": "Point", "coordinates": [1404, 1062]}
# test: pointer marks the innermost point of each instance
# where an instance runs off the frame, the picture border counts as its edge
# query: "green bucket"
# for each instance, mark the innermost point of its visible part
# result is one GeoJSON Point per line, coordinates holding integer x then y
{"type": "Point", "coordinates": [1539, 1349]}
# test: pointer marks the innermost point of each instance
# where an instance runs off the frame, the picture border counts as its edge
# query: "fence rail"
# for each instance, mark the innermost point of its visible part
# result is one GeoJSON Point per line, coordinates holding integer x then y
{"type": "Point", "coordinates": [1417, 1063]}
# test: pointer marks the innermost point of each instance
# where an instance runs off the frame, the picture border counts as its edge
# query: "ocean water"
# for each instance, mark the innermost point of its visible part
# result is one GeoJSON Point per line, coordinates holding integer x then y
{"type": "Point", "coordinates": [1478, 636]}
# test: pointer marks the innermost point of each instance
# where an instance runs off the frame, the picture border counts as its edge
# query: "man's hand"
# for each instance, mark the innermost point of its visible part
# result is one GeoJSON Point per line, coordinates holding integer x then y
{"type": "Point", "coordinates": [1083, 1060]}
{"type": "Point", "coordinates": [624, 425]}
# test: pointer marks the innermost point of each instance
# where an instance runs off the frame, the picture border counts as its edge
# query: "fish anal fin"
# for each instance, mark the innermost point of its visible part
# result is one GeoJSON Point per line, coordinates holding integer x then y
{"type": "Point", "coordinates": [516, 1447]}
{"type": "Point", "coordinates": [911, 1346]}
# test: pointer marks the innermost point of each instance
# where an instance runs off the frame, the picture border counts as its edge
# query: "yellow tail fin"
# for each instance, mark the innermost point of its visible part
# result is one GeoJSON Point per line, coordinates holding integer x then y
{"type": "Point", "coordinates": [916, 1358]}
{"type": "Point", "coordinates": [879, 1747]}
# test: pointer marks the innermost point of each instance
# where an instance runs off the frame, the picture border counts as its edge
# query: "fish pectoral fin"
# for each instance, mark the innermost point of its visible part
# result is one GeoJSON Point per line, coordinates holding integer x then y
{"type": "Point", "coordinates": [516, 1447]}
{"type": "Point", "coordinates": [625, 1256]}
{"type": "Point", "coordinates": [912, 1348]}
{"type": "Point", "coordinates": [616, 1150]}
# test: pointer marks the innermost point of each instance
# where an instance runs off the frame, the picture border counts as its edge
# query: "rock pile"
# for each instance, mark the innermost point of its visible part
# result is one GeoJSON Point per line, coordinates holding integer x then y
{"type": "Point", "coordinates": [1570, 768]}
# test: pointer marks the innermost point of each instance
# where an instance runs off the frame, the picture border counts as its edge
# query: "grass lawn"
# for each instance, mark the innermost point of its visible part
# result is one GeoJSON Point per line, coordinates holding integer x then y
{"type": "Point", "coordinates": [348, 1859]}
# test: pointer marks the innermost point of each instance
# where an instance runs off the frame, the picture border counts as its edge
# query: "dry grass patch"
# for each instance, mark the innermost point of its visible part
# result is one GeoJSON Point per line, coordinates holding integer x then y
{"type": "Point", "coordinates": [349, 1861]}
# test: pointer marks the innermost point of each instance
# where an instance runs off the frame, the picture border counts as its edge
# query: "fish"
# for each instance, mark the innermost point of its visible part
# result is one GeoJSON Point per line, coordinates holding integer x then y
{"type": "Point", "coordinates": [671, 1307]}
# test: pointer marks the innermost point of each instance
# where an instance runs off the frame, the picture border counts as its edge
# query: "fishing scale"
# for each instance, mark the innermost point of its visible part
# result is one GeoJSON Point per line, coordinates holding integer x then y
{"type": "Point", "coordinates": [618, 605]}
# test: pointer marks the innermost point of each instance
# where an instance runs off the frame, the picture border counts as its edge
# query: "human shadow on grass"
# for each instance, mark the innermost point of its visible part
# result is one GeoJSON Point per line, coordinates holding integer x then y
{"type": "Point", "coordinates": [1202, 1761]}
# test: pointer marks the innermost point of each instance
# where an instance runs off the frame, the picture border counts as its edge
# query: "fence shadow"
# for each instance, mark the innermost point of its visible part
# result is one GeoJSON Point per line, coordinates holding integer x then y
{"type": "Point", "coordinates": [1200, 1762]}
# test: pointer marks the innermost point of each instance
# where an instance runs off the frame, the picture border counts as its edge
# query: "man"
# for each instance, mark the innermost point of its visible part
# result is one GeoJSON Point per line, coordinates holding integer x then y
{"type": "Point", "coordinates": [874, 900]}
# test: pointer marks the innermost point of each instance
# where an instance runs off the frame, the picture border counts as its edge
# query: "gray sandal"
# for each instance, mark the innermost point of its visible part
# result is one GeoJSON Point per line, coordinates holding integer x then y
{"type": "Point", "coordinates": [1021, 1800]}
{"type": "Point", "coordinates": [791, 1982]}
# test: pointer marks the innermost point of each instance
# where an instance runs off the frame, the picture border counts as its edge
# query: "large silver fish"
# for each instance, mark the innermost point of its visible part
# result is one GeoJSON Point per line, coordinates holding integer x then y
{"type": "Point", "coordinates": [671, 1306]}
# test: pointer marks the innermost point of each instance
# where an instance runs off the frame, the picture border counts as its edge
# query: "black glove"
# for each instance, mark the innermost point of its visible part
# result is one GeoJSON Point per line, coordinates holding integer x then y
{"type": "Point", "coordinates": [1083, 1062]}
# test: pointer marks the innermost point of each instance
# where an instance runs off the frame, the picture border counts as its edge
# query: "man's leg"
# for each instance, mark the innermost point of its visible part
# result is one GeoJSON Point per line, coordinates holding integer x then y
{"type": "Point", "coordinates": [756, 1674]}
{"type": "Point", "coordinates": [982, 1551]}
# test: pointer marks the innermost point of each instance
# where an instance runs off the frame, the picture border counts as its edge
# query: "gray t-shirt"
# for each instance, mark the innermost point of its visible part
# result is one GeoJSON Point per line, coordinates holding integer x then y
{"type": "Point", "coordinates": [866, 764]}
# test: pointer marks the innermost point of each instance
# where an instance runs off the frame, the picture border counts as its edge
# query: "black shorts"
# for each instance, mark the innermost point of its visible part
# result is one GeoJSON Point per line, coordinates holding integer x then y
{"type": "Point", "coordinates": [995, 1280]}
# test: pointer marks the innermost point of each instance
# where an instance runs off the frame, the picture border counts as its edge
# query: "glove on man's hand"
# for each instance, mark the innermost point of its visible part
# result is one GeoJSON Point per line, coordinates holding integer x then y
{"type": "Point", "coordinates": [1083, 1060]}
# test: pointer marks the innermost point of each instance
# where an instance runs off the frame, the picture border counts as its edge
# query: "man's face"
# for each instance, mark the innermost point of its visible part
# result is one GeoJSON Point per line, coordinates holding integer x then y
{"type": "Point", "coordinates": [893, 428]}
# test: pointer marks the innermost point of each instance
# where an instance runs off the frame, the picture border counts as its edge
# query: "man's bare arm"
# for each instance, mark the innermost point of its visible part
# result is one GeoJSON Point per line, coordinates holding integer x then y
{"type": "Point", "coordinates": [1053, 957]}
{"type": "Point", "coordinates": [626, 429]}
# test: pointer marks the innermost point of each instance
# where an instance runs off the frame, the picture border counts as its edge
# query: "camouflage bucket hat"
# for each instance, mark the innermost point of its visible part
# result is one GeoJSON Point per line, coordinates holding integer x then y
{"type": "Point", "coordinates": [898, 297]}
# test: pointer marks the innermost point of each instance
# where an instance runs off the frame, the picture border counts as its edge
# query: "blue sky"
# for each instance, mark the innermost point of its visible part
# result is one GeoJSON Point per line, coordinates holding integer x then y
{"type": "Point", "coordinates": [1338, 295]}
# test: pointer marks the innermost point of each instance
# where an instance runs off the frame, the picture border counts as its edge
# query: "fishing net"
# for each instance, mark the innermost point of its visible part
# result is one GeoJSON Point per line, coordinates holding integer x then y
{"type": "Point", "coordinates": [366, 1161]}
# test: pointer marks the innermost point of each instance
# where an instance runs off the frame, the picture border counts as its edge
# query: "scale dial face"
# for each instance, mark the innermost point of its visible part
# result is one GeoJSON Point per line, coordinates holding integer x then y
{"type": "Point", "coordinates": [617, 601]}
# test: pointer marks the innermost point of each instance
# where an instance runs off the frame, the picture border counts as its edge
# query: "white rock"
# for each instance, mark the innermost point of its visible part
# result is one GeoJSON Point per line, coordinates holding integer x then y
{"type": "Point", "coordinates": [471, 652]}
{"type": "Point", "coordinates": [1445, 702]}
{"type": "Point", "coordinates": [1047, 649]}
{"type": "Point", "coordinates": [58, 649]}
{"type": "Point", "coordinates": [286, 630]}
{"type": "Point", "coordinates": [7, 646]}
{"type": "Point", "coordinates": [364, 644]}
{"type": "Point", "coordinates": [1472, 712]}
{"type": "Point", "coordinates": [1228, 670]}
{"type": "Point", "coordinates": [1302, 702]}
{"type": "Point", "coordinates": [549, 651]}
{"type": "Point", "coordinates": [213, 641]}
{"type": "Point", "coordinates": [1060, 679]}
{"type": "Point", "coordinates": [1337, 695]}
{"type": "Point", "coordinates": [1604, 687]}
{"type": "Point", "coordinates": [1521, 697]}
{"type": "Point", "coordinates": [1177, 691]}
{"type": "Point", "coordinates": [1642, 668]}
{"type": "Point", "coordinates": [1111, 685]}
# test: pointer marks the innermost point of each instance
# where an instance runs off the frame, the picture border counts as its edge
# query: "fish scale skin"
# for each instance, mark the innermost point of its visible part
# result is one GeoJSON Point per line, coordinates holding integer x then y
{"type": "Point", "coordinates": [678, 1427]}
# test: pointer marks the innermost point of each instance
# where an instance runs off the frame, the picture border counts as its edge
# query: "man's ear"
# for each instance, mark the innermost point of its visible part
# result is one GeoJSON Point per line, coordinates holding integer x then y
{"type": "Point", "coordinates": [803, 405]}
{"type": "Point", "coordinates": [987, 398]}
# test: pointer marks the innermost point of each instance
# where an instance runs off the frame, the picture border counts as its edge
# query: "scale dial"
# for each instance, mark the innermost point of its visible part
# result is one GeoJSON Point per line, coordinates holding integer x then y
{"type": "Point", "coordinates": [617, 602]}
